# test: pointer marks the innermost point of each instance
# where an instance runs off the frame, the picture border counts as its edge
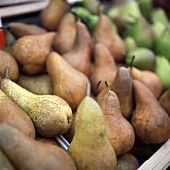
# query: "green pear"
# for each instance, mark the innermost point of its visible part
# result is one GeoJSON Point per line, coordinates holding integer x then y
{"type": "Point", "coordinates": [130, 12]}
{"type": "Point", "coordinates": [50, 114]}
{"type": "Point", "coordinates": [86, 17]}
{"type": "Point", "coordinates": [159, 15]}
{"type": "Point", "coordinates": [145, 7]}
{"type": "Point", "coordinates": [162, 69]}
{"type": "Point", "coordinates": [130, 43]}
{"type": "Point", "coordinates": [158, 29]}
{"type": "Point", "coordinates": [144, 58]}
{"type": "Point", "coordinates": [161, 45]}
{"type": "Point", "coordinates": [90, 147]}
{"type": "Point", "coordinates": [141, 31]}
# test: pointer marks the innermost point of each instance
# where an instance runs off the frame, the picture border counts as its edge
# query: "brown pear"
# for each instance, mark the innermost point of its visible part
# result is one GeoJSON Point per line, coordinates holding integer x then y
{"type": "Point", "coordinates": [26, 153]}
{"type": "Point", "coordinates": [105, 33]}
{"type": "Point", "coordinates": [80, 55]}
{"type": "Point", "coordinates": [127, 161]}
{"type": "Point", "coordinates": [7, 60]}
{"type": "Point", "coordinates": [119, 131]}
{"type": "Point", "coordinates": [12, 114]}
{"type": "Point", "coordinates": [68, 83]}
{"type": "Point", "coordinates": [37, 84]}
{"type": "Point", "coordinates": [66, 34]}
{"type": "Point", "coordinates": [31, 52]}
{"type": "Point", "coordinates": [52, 14]}
{"type": "Point", "coordinates": [149, 78]}
{"type": "Point", "coordinates": [71, 131]}
{"type": "Point", "coordinates": [19, 29]}
{"type": "Point", "coordinates": [164, 101]}
{"type": "Point", "coordinates": [105, 67]}
{"type": "Point", "coordinates": [149, 120]}
{"type": "Point", "coordinates": [122, 86]}
{"type": "Point", "coordinates": [50, 141]}
{"type": "Point", "coordinates": [5, 164]}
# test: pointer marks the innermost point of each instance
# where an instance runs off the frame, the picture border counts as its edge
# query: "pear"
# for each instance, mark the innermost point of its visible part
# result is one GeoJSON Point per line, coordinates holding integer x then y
{"type": "Point", "coordinates": [141, 31]}
{"type": "Point", "coordinates": [127, 161]}
{"type": "Point", "coordinates": [37, 84]}
{"type": "Point", "coordinates": [129, 12]}
{"type": "Point", "coordinates": [93, 6]}
{"type": "Point", "coordinates": [161, 45]}
{"type": "Point", "coordinates": [86, 17]}
{"type": "Point", "coordinates": [146, 8]}
{"type": "Point", "coordinates": [31, 52]}
{"type": "Point", "coordinates": [26, 153]}
{"type": "Point", "coordinates": [49, 141]}
{"type": "Point", "coordinates": [122, 86]}
{"type": "Point", "coordinates": [111, 40]}
{"type": "Point", "coordinates": [70, 133]}
{"type": "Point", "coordinates": [68, 83]}
{"type": "Point", "coordinates": [149, 120]}
{"type": "Point", "coordinates": [149, 78]}
{"type": "Point", "coordinates": [5, 164]}
{"type": "Point", "coordinates": [105, 67]}
{"type": "Point", "coordinates": [7, 60]}
{"type": "Point", "coordinates": [50, 114]}
{"type": "Point", "coordinates": [159, 15]}
{"type": "Point", "coordinates": [66, 34]}
{"type": "Point", "coordinates": [12, 114]}
{"type": "Point", "coordinates": [130, 43]}
{"type": "Point", "coordinates": [119, 131]}
{"type": "Point", "coordinates": [162, 70]}
{"type": "Point", "coordinates": [80, 55]}
{"type": "Point", "coordinates": [51, 16]}
{"type": "Point", "coordinates": [90, 139]}
{"type": "Point", "coordinates": [164, 101]}
{"type": "Point", "coordinates": [19, 29]}
{"type": "Point", "coordinates": [158, 29]}
{"type": "Point", "coordinates": [144, 58]}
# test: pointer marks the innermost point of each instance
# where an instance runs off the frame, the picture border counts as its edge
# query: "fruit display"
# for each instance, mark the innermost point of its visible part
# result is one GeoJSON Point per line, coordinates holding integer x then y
{"type": "Point", "coordinates": [94, 74]}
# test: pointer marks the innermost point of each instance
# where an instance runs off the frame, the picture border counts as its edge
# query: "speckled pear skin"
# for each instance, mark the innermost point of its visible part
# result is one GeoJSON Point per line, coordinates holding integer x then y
{"type": "Point", "coordinates": [51, 115]}
{"type": "Point", "coordinates": [90, 147]}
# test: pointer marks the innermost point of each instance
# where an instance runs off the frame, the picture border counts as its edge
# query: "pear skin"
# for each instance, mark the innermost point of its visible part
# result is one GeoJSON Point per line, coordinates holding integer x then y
{"type": "Point", "coordinates": [105, 34]}
{"type": "Point", "coordinates": [31, 52]}
{"type": "Point", "coordinates": [68, 83]}
{"type": "Point", "coordinates": [119, 131]}
{"type": "Point", "coordinates": [12, 114]}
{"type": "Point", "coordinates": [20, 29]}
{"type": "Point", "coordinates": [127, 161]}
{"type": "Point", "coordinates": [90, 139]}
{"type": "Point", "coordinates": [26, 153]}
{"type": "Point", "coordinates": [149, 120]}
{"type": "Point", "coordinates": [51, 16]}
{"type": "Point", "coordinates": [105, 67]}
{"type": "Point", "coordinates": [37, 84]}
{"type": "Point", "coordinates": [149, 78]}
{"type": "Point", "coordinates": [50, 114]}
{"type": "Point", "coordinates": [80, 55]}
{"type": "Point", "coordinates": [7, 60]}
{"type": "Point", "coordinates": [5, 164]}
{"type": "Point", "coordinates": [122, 86]}
{"type": "Point", "coordinates": [164, 101]}
{"type": "Point", "coordinates": [66, 34]}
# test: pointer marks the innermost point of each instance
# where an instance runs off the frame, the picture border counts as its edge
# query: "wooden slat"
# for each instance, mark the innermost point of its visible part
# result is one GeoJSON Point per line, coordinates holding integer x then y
{"type": "Point", "coordinates": [22, 9]}
{"type": "Point", "coordinates": [160, 160]}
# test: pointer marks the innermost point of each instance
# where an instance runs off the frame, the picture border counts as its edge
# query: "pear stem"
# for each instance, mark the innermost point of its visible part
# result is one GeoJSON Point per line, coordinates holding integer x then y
{"type": "Point", "coordinates": [108, 89]}
{"type": "Point", "coordinates": [131, 62]}
{"type": "Point", "coordinates": [6, 71]}
{"type": "Point", "coordinates": [88, 89]}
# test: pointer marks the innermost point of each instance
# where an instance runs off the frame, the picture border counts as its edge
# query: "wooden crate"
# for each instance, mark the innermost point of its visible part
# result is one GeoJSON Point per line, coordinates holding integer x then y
{"type": "Point", "coordinates": [160, 160]}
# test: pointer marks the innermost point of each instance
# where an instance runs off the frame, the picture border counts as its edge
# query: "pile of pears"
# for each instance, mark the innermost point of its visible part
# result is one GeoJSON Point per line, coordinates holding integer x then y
{"type": "Point", "coordinates": [97, 75]}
